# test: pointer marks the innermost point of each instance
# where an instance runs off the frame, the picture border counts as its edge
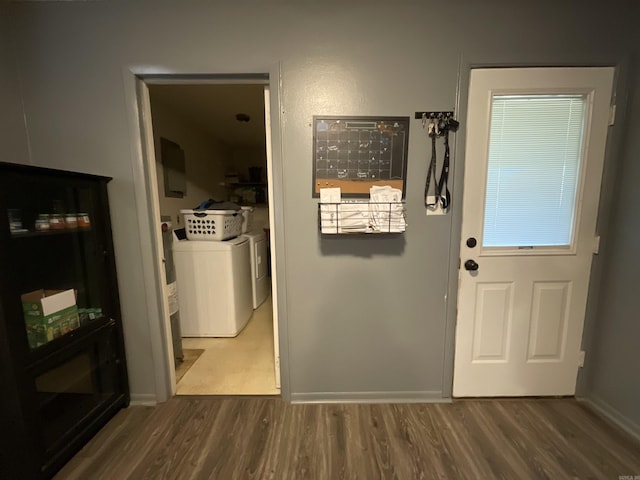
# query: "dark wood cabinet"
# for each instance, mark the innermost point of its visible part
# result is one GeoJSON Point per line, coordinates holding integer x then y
{"type": "Point", "coordinates": [62, 363]}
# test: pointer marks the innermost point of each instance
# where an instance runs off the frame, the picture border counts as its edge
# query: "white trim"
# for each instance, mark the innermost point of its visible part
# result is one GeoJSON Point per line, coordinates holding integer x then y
{"type": "Point", "coordinates": [272, 233]}
{"type": "Point", "coordinates": [612, 415]}
{"type": "Point", "coordinates": [526, 251]}
{"type": "Point", "coordinates": [420, 396]}
{"type": "Point", "coordinates": [143, 400]}
{"type": "Point", "coordinates": [276, 211]}
{"type": "Point", "coordinates": [149, 159]}
{"type": "Point", "coordinates": [152, 290]}
{"type": "Point", "coordinates": [612, 115]}
{"type": "Point", "coordinates": [143, 164]}
{"type": "Point", "coordinates": [197, 79]}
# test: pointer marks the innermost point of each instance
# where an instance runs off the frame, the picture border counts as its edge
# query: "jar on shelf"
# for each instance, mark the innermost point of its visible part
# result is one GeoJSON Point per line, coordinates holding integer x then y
{"type": "Point", "coordinates": [56, 222]}
{"type": "Point", "coordinates": [83, 220]}
{"type": "Point", "coordinates": [43, 222]}
{"type": "Point", "coordinates": [71, 221]}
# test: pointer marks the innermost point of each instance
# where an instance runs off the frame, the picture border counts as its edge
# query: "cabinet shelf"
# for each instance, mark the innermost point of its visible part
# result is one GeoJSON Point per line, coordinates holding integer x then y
{"type": "Point", "coordinates": [41, 356]}
{"type": "Point", "coordinates": [48, 233]}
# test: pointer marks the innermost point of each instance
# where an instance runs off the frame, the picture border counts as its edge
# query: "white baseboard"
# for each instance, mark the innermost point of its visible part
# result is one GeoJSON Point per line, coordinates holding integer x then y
{"type": "Point", "coordinates": [370, 397]}
{"type": "Point", "coordinates": [144, 399]}
{"type": "Point", "coordinates": [611, 414]}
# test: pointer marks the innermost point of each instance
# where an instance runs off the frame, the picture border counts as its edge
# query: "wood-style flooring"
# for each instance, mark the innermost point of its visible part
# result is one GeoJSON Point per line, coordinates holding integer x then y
{"type": "Point", "coordinates": [266, 438]}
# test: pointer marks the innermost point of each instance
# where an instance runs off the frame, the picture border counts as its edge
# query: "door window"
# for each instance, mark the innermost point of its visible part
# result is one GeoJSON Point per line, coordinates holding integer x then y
{"type": "Point", "coordinates": [535, 151]}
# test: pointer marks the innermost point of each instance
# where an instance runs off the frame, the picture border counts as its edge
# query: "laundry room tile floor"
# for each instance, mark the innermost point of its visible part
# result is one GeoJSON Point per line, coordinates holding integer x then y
{"type": "Point", "coordinates": [243, 365]}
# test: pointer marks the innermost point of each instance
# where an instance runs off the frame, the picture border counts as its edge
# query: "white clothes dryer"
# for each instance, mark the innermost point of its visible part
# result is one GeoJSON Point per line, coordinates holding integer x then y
{"type": "Point", "coordinates": [260, 281]}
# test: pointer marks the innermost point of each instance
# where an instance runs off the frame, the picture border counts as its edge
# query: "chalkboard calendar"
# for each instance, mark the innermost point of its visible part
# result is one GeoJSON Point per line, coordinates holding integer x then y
{"type": "Point", "coordinates": [355, 153]}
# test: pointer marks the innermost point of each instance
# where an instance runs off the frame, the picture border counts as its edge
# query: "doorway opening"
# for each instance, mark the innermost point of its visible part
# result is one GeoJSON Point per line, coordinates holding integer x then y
{"type": "Point", "coordinates": [210, 143]}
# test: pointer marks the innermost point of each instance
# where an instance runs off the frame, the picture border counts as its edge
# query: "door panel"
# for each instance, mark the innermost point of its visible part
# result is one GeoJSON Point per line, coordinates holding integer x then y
{"type": "Point", "coordinates": [548, 321]}
{"type": "Point", "coordinates": [535, 148]}
{"type": "Point", "coordinates": [492, 321]}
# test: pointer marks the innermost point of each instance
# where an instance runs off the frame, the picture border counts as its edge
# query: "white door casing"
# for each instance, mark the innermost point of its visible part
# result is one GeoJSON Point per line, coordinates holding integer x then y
{"type": "Point", "coordinates": [153, 203]}
{"type": "Point", "coordinates": [146, 181]}
{"type": "Point", "coordinates": [272, 234]}
{"type": "Point", "coordinates": [521, 313]}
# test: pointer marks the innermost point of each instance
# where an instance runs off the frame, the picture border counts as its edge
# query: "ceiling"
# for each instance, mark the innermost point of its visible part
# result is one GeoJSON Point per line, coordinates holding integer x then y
{"type": "Point", "coordinates": [214, 107]}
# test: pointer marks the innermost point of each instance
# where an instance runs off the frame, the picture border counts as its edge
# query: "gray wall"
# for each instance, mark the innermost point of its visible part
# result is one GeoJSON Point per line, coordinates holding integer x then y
{"type": "Point", "coordinates": [12, 127]}
{"type": "Point", "coordinates": [204, 156]}
{"type": "Point", "coordinates": [611, 379]}
{"type": "Point", "coordinates": [363, 318]}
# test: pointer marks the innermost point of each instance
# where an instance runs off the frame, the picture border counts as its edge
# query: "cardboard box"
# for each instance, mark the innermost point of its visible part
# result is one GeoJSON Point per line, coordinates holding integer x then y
{"type": "Point", "coordinates": [49, 314]}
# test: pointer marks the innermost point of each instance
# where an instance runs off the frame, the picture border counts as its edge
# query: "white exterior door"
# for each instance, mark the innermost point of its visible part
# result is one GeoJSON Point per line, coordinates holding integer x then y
{"type": "Point", "coordinates": [534, 154]}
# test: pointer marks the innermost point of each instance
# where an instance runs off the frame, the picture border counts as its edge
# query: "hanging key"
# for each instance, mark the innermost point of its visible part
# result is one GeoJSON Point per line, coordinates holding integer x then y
{"type": "Point", "coordinates": [432, 128]}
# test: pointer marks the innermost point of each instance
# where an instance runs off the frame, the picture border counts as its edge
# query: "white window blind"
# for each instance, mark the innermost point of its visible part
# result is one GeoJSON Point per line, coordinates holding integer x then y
{"type": "Point", "coordinates": [535, 150]}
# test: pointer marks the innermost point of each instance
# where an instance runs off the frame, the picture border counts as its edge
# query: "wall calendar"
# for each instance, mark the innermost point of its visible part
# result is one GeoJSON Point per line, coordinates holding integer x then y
{"type": "Point", "coordinates": [355, 153]}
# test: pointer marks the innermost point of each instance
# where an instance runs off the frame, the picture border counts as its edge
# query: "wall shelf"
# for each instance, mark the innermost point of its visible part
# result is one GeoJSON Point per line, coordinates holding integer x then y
{"type": "Point", "coordinates": [249, 193]}
{"type": "Point", "coordinates": [248, 184]}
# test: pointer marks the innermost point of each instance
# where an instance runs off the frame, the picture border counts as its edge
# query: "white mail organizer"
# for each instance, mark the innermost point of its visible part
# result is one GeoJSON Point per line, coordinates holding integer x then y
{"type": "Point", "coordinates": [362, 217]}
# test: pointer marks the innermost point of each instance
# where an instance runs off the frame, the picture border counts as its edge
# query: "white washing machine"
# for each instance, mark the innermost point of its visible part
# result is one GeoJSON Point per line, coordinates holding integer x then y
{"type": "Point", "coordinates": [260, 281]}
{"type": "Point", "coordinates": [214, 286]}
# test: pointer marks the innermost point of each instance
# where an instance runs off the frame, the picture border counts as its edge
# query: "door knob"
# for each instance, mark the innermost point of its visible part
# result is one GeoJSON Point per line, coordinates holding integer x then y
{"type": "Point", "coordinates": [471, 265]}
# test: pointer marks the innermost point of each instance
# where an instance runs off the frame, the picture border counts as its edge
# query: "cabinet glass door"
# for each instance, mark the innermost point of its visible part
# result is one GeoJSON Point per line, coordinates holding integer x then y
{"type": "Point", "coordinates": [74, 386]}
{"type": "Point", "coordinates": [56, 256]}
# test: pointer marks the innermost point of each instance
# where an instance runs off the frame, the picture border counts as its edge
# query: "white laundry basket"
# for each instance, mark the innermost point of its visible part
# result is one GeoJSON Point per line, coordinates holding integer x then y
{"type": "Point", "coordinates": [212, 224]}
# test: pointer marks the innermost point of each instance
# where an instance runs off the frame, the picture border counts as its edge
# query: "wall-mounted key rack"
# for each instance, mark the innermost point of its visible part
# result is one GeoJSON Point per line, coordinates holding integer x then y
{"type": "Point", "coordinates": [445, 119]}
{"type": "Point", "coordinates": [445, 114]}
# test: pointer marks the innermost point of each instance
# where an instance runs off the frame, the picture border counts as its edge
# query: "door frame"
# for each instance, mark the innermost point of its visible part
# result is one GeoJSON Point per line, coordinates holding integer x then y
{"type": "Point", "coordinates": [595, 84]}
{"type": "Point", "coordinates": [147, 208]}
{"type": "Point", "coordinates": [507, 60]}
